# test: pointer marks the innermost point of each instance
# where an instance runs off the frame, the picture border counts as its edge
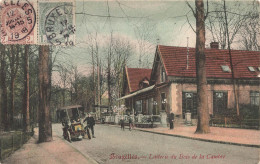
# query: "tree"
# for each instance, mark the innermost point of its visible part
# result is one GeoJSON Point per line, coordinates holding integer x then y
{"type": "Point", "coordinates": [4, 105]}
{"type": "Point", "coordinates": [26, 107]}
{"type": "Point", "coordinates": [45, 127]}
{"type": "Point", "coordinates": [64, 73]}
{"type": "Point", "coordinates": [203, 111]}
{"type": "Point", "coordinates": [14, 57]}
{"type": "Point", "coordinates": [250, 32]}
{"type": "Point", "coordinates": [223, 22]}
{"type": "Point", "coordinates": [146, 37]}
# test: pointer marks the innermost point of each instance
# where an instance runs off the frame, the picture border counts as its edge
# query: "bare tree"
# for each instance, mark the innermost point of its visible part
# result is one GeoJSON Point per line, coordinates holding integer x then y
{"type": "Point", "coordinates": [45, 127]}
{"type": "Point", "coordinates": [64, 71]}
{"type": "Point", "coordinates": [122, 50]}
{"type": "Point", "coordinates": [250, 31]}
{"type": "Point", "coordinates": [225, 22]}
{"type": "Point", "coordinates": [146, 38]}
{"type": "Point", "coordinates": [203, 111]}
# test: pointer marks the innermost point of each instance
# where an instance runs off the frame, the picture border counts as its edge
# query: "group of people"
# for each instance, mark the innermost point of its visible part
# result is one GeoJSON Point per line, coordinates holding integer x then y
{"type": "Point", "coordinates": [91, 122]}
{"type": "Point", "coordinates": [122, 123]}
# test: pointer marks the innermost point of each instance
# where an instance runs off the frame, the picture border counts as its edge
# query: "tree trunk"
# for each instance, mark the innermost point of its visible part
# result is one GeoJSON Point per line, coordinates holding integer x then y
{"type": "Point", "coordinates": [5, 120]}
{"type": "Point", "coordinates": [45, 128]}
{"type": "Point", "coordinates": [12, 102]}
{"type": "Point", "coordinates": [14, 63]}
{"type": "Point", "coordinates": [11, 57]}
{"type": "Point", "coordinates": [26, 110]}
{"type": "Point", "coordinates": [203, 111]}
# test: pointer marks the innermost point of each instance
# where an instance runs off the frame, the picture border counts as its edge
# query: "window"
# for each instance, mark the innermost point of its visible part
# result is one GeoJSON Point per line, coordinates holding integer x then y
{"type": "Point", "coordinates": [225, 68]}
{"type": "Point", "coordinates": [220, 100]}
{"type": "Point", "coordinates": [163, 101]}
{"type": "Point", "coordinates": [251, 69]}
{"type": "Point", "coordinates": [189, 104]}
{"type": "Point", "coordinates": [138, 107]}
{"type": "Point", "coordinates": [163, 75]}
{"type": "Point", "coordinates": [150, 106]}
{"type": "Point", "coordinates": [254, 98]}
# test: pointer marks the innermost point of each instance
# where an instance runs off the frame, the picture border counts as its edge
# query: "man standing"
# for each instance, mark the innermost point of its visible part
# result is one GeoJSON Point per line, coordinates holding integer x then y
{"type": "Point", "coordinates": [90, 123]}
{"type": "Point", "coordinates": [122, 123]}
{"type": "Point", "coordinates": [130, 123]}
{"type": "Point", "coordinates": [171, 120]}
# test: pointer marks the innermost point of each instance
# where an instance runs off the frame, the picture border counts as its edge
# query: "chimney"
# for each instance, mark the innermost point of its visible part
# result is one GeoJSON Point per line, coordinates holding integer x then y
{"type": "Point", "coordinates": [214, 45]}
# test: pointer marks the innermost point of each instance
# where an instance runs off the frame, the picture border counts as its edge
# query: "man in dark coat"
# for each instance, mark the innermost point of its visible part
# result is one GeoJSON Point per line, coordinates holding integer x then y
{"type": "Point", "coordinates": [122, 123]}
{"type": "Point", "coordinates": [171, 120]}
{"type": "Point", "coordinates": [90, 123]}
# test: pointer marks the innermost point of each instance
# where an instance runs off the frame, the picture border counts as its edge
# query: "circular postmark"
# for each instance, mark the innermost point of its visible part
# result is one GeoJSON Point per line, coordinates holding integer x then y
{"type": "Point", "coordinates": [18, 19]}
{"type": "Point", "coordinates": [59, 27]}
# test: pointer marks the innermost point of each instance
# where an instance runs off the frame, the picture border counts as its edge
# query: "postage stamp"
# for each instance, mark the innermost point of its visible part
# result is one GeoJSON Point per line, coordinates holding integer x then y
{"type": "Point", "coordinates": [18, 22]}
{"type": "Point", "coordinates": [56, 22]}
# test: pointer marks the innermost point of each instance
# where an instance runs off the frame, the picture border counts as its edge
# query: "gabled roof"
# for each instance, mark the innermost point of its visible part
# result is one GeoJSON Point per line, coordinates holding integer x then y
{"type": "Point", "coordinates": [135, 75]}
{"type": "Point", "coordinates": [174, 60]}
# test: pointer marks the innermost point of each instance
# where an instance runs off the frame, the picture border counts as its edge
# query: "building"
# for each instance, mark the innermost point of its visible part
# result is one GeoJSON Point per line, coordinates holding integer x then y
{"type": "Point", "coordinates": [172, 82]}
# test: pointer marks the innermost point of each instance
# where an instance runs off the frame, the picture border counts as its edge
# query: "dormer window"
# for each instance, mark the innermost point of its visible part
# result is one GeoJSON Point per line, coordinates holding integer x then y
{"type": "Point", "coordinates": [252, 69]}
{"type": "Point", "coordinates": [225, 68]}
{"type": "Point", "coordinates": [163, 75]}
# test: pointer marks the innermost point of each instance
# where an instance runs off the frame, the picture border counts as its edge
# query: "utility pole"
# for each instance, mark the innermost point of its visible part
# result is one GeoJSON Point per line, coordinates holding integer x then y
{"type": "Point", "coordinates": [231, 62]}
{"type": "Point", "coordinates": [98, 86]}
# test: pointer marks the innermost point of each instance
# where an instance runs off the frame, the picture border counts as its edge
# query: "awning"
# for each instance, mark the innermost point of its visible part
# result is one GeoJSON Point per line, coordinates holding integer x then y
{"type": "Point", "coordinates": [137, 93]}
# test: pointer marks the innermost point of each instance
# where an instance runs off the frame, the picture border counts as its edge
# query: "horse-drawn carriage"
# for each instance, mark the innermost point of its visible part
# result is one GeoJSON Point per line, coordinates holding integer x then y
{"type": "Point", "coordinates": [72, 118]}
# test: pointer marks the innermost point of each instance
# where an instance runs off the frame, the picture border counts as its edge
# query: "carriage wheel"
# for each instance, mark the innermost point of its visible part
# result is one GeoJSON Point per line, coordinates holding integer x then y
{"type": "Point", "coordinates": [68, 136]}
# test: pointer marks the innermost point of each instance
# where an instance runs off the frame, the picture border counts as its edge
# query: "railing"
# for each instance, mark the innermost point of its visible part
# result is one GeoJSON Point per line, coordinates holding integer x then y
{"type": "Point", "coordinates": [139, 120]}
{"type": "Point", "coordinates": [11, 141]}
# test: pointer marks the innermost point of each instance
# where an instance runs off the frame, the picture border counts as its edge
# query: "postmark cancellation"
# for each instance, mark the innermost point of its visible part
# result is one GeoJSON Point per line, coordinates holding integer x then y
{"type": "Point", "coordinates": [18, 22]}
{"type": "Point", "coordinates": [56, 22]}
{"type": "Point", "coordinates": [42, 22]}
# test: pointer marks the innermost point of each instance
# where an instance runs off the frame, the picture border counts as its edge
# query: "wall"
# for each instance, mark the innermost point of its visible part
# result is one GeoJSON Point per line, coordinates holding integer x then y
{"type": "Point", "coordinates": [177, 89]}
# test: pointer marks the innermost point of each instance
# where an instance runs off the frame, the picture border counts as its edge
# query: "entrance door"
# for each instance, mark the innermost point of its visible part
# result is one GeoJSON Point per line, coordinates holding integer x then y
{"type": "Point", "coordinates": [219, 103]}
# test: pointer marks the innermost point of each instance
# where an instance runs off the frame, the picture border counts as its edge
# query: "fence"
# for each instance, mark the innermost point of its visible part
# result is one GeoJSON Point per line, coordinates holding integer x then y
{"type": "Point", "coordinates": [143, 121]}
{"type": "Point", "coordinates": [11, 141]}
{"type": "Point", "coordinates": [235, 123]}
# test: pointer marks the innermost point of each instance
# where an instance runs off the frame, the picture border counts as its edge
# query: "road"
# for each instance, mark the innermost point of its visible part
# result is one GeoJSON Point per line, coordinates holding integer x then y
{"type": "Point", "coordinates": [112, 145]}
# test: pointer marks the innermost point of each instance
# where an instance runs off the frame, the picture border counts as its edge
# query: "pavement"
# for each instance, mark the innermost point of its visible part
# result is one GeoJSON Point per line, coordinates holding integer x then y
{"type": "Point", "coordinates": [54, 152]}
{"type": "Point", "coordinates": [234, 136]}
{"type": "Point", "coordinates": [58, 151]}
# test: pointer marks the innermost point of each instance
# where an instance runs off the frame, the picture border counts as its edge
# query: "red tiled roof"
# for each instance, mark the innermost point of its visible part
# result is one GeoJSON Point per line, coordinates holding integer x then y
{"type": "Point", "coordinates": [135, 76]}
{"type": "Point", "coordinates": [175, 62]}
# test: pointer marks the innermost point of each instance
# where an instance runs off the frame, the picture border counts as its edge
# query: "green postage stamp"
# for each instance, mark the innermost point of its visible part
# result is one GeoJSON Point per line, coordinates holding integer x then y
{"type": "Point", "coordinates": [56, 22]}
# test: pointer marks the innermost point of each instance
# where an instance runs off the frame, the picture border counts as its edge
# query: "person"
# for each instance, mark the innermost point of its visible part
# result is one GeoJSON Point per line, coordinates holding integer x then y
{"type": "Point", "coordinates": [90, 123]}
{"type": "Point", "coordinates": [152, 121]}
{"type": "Point", "coordinates": [130, 123]}
{"type": "Point", "coordinates": [171, 120]}
{"type": "Point", "coordinates": [122, 123]}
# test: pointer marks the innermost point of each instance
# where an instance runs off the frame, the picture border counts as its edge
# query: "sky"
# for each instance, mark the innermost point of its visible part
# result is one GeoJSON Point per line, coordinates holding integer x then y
{"type": "Point", "coordinates": [167, 19]}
